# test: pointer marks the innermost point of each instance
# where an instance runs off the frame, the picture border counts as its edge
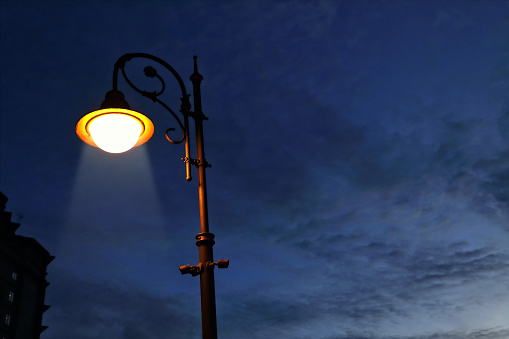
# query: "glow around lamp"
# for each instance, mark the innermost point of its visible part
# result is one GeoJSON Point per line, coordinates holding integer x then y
{"type": "Point", "coordinates": [115, 128]}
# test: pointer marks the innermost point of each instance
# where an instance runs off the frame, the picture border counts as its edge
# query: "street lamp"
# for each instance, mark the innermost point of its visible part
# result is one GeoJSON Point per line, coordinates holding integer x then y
{"type": "Point", "coordinates": [116, 128]}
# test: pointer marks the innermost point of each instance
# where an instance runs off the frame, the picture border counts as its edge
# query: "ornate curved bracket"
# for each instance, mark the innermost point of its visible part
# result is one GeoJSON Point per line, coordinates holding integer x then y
{"type": "Point", "coordinates": [185, 107]}
{"type": "Point", "coordinates": [151, 72]}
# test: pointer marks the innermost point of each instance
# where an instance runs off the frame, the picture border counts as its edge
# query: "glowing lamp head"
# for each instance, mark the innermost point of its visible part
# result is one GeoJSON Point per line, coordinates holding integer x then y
{"type": "Point", "coordinates": [113, 129]}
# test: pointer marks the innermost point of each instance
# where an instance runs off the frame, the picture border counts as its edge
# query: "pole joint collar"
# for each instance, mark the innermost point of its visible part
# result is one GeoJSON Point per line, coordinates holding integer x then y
{"type": "Point", "coordinates": [205, 238]}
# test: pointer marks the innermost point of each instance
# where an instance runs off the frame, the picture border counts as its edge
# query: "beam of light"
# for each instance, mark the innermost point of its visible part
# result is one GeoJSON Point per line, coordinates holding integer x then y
{"type": "Point", "coordinates": [115, 228]}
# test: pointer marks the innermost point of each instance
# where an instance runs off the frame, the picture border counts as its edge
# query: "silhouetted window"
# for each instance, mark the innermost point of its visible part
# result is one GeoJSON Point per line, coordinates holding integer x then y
{"type": "Point", "coordinates": [14, 276]}
{"type": "Point", "coordinates": [11, 296]}
{"type": "Point", "coordinates": [7, 320]}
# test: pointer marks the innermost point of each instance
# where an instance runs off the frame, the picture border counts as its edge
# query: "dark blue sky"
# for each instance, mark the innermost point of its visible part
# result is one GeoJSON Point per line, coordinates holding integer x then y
{"type": "Point", "coordinates": [360, 179]}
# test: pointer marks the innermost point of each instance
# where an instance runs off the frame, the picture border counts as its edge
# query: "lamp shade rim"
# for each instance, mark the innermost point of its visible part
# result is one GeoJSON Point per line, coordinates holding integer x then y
{"type": "Point", "coordinates": [84, 134]}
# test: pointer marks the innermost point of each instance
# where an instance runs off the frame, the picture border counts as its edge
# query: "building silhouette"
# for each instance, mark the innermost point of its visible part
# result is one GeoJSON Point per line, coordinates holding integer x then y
{"type": "Point", "coordinates": [23, 263]}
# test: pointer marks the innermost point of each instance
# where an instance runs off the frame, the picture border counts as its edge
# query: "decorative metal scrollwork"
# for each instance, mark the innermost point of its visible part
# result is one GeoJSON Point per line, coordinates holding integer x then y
{"type": "Point", "coordinates": [151, 72]}
{"type": "Point", "coordinates": [185, 106]}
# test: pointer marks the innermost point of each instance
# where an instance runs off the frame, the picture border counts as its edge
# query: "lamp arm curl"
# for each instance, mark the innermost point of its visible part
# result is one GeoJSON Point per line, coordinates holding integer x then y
{"type": "Point", "coordinates": [185, 107]}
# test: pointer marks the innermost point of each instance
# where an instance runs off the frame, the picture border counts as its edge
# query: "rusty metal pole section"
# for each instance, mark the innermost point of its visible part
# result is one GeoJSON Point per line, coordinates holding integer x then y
{"type": "Point", "coordinates": [205, 239]}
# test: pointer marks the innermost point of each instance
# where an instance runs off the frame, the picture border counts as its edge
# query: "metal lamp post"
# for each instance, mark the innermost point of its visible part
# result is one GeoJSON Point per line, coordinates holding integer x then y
{"type": "Point", "coordinates": [115, 106]}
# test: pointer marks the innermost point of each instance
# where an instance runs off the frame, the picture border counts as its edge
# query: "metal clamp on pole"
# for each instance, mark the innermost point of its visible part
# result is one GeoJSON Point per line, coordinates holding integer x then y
{"type": "Point", "coordinates": [219, 264]}
{"type": "Point", "coordinates": [193, 270]}
{"type": "Point", "coordinates": [198, 269]}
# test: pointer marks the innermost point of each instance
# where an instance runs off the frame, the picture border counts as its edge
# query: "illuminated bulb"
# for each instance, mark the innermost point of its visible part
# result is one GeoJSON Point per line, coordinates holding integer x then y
{"type": "Point", "coordinates": [115, 133]}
